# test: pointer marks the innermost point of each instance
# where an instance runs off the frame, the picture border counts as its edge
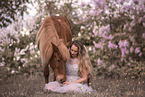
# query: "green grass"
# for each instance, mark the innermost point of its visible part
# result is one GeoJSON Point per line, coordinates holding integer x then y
{"type": "Point", "coordinates": [32, 86]}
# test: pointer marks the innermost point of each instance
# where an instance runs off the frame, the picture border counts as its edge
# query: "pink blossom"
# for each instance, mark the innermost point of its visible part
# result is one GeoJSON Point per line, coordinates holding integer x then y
{"type": "Point", "coordinates": [127, 7]}
{"type": "Point", "coordinates": [123, 52]}
{"type": "Point", "coordinates": [125, 26]}
{"type": "Point", "coordinates": [123, 48]}
{"type": "Point", "coordinates": [113, 66]}
{"type": "Point", "coordinates": [131, 49]}
{"type": "Point", "coordinates": [128, 64]}
{"type": "Point", "coordinates": [130, 58]}
{"type": "Point", "coordinates": [132, 24]}
{"type": "Point", "coordinates": [94, 42]}
{"type": "Point", "coordinates": [110, 37]}
{"type": "Point", "coordinates": [122, 9]}
{"type": "Point", "coordinates": [144, 24]}
{"type": "Point", "coordinates": [100, 4]}
{"type": "Point", "coordinates": [118, 15]}
{"type": "Point", "coordinates": [130, 29]}
{"type": "Point", "coordinates": [112, 45]}
{"type": "Point", "coordinates": [99, 11]}
{"type": "Point", "coordinates": [132, 39]}
{"type": "Point", "coordinates": [107, 28]}
{"type": "Point", "coordinates": [121, 59]}
{"type": "Point", "coordinates": [99, 61]}
{"type": "Point", "coordinates": [131, 11]}
{"type": "Point", "coordinates": [104, 35]}
{"type": "Point", "coordinates": [140, 19]}
{"type": "Point", "coordinates": [12, 72]}
{"type": "Point", "coordinates": [137, 50]}
{"type": "Point", "coordinates": [94, 50]}
{"type": "Point", "coordinates": [123, 44]}
{"type": "Point", "coordinates": [2, 63]}
{"type": "Point", "coordinates": [140, 54]}
{"type": "Point", "coordinates": [119, 1]}
{"type": "Point", "coordinates": [98, 45]}
{"type": "Point", "coordinates": [96, 33]}
{"type": "Point", "coordinates": [104, 30]}
{"type": "Point", "coordinates": [101, 30]}
{"type": "Point", "coordinates": [143, 35]}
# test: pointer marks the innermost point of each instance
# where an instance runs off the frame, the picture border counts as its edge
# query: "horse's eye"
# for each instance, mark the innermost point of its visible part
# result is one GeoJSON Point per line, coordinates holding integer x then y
{"type": "Point", "coordinates": [58, 60]}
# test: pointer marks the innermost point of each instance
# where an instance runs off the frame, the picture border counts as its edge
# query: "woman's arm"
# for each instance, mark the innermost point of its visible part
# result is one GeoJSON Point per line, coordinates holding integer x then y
{"type": "Point", "coordinates": [83, 79]}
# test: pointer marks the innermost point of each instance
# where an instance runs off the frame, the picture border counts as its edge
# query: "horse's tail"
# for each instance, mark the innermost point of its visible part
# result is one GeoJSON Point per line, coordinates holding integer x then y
{"type": "Point", "coordinates": [47, 35]}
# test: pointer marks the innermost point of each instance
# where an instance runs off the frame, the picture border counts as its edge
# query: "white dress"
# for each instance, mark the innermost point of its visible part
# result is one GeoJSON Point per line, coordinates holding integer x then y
{"type": "Point", "coordinates": [72, 75]}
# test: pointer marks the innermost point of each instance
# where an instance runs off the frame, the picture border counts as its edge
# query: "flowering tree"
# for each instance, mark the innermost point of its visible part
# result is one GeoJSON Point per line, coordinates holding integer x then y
{"type": "Point", "coordinates": [17, 45]}
{"type": "Point", "coordinates": [9, 9]}
{"type": "Point", "coordinates": [112, 30]}
{"type": "Point", "coordinates": [119, 37]}
{"type": "Point", "coordinates": [17, 42]}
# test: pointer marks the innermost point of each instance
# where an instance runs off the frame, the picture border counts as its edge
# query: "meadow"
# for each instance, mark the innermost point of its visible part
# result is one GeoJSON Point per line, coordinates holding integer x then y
{"type": "Point", "coordinates": [31, 85]}
{"type": "Point", "coordinates": [113, 32]}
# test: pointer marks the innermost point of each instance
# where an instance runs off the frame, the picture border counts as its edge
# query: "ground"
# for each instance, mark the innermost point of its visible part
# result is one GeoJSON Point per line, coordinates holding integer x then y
{"type": "Point", "coordinates": [25, 85]}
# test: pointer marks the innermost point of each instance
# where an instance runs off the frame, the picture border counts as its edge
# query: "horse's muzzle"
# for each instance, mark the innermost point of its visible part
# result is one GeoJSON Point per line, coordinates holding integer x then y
{"type": "Point", "coordinates": [61, 78]}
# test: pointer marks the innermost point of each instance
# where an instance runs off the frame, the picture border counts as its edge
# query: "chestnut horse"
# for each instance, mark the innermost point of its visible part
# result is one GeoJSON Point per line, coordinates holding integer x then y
{"type": "Point", "coordinates": [53, 39]}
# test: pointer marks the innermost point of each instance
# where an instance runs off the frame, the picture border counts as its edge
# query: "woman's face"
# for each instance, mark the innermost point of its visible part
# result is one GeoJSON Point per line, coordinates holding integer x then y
{"type": "Point", "coordinates": [74, 51]}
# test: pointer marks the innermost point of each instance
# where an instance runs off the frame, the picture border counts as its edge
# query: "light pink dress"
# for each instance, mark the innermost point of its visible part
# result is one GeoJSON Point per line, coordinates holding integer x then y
{"type": "Point", "coordinates": [72, 75]}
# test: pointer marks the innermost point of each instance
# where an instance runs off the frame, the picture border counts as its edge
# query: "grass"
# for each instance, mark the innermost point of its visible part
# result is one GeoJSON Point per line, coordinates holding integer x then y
{"type": "Point", "coordinates": [123, 87]}
{"type": "Point", "coordinates": [32, 86]}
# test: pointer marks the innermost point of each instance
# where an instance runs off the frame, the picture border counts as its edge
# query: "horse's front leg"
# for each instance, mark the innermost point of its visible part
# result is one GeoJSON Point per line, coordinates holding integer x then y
{"type": "Point", "coordinates": [54, 71]}
{"type": "Point", "coordinates": [46, 73]}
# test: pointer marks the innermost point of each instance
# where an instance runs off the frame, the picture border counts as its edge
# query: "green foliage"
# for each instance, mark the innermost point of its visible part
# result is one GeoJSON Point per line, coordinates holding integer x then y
{"type": "Point", "coordinates": [113, 33]}
{"type": "Point", "coordinates": [18, 50]}
{"type": "Point", "coordinates": [119, 40]}
{"type": "Point", "coordinates": [10, 8]}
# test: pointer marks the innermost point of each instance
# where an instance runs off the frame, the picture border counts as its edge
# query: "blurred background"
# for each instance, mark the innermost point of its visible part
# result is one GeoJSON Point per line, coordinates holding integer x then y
{"type": "Point", "coordinates": [112, 30]}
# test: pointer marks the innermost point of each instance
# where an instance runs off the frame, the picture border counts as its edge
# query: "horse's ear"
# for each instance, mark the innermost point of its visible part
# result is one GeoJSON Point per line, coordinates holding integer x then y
{"type": "Point", "coordinates": [55, 48]}
{"type": "Point", "coordinates": [68, 44]}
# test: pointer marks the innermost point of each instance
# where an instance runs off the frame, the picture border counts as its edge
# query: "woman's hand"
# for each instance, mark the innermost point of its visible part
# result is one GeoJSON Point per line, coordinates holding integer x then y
{"type": "Point", "coordinates": [83, 79]}
{"type": "Point", "coordinates": [65, 83]}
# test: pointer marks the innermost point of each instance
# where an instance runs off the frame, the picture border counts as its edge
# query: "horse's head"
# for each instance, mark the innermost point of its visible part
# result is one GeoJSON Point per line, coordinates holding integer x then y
{"type": "Point", "coordinates": [57, 63]}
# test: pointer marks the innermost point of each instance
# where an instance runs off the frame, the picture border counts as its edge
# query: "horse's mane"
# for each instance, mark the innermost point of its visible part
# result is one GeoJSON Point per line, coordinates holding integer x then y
{"type": "Point", "coordinates": [48, 35]}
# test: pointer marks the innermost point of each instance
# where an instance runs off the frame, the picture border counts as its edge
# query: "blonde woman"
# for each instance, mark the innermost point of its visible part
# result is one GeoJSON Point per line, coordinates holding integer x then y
{"type": "Point", "coordinates": [78, 70]}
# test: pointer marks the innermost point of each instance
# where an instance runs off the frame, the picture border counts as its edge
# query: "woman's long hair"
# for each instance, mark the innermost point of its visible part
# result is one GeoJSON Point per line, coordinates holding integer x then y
{"type": "Point", "coordinates": [83, 57]}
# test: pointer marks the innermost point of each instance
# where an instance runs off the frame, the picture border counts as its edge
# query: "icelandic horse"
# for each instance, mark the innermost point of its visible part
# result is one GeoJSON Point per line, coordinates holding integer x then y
{"type": "Point", "coordinates": [53, 39]}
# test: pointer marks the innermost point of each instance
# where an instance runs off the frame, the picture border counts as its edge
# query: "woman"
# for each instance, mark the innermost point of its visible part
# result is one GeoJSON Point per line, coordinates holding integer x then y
{"type": "Point", "coordinates": [78, 68]}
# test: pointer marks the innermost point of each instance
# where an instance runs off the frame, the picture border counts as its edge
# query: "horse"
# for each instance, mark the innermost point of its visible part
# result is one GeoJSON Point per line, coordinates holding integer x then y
{"type": "Point", "coordinates": [53, 39]}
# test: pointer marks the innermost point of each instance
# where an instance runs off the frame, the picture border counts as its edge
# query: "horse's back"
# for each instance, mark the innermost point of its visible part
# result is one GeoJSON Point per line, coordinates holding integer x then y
{"type": "Point", "coordinates": [62, 26]}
